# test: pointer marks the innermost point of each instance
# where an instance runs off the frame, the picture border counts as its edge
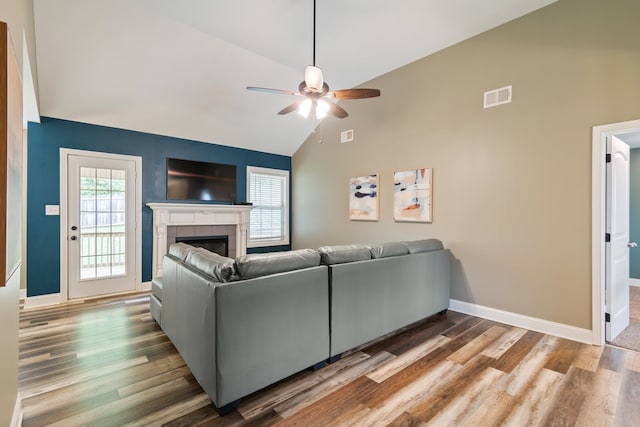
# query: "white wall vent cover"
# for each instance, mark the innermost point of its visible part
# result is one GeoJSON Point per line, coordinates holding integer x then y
{"type": "Point", "coordinates": [346, 136]}
{"type": "Point", "coordinates": [497, 97]}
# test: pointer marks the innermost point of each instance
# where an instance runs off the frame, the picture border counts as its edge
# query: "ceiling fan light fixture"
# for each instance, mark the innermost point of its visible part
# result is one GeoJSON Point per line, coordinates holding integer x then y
{"type": "Point", "coordinates": [305, 108]}
{"type": "Point", "coordinates": [313, 78]}
{"type": "Point", "coordinates": [322, 108]}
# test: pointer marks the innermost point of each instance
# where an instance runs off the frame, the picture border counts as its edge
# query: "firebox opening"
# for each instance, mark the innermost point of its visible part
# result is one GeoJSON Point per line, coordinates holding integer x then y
{"type": "Point", "coordinates": [217, 244]}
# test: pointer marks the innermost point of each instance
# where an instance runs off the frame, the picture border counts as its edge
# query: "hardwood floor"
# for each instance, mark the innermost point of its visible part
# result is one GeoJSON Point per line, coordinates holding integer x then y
{"type": "Point", "coordinates": [106, 363]}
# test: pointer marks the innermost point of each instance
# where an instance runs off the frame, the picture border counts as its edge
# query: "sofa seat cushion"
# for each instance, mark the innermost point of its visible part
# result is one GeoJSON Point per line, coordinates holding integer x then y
{"type": "Point", "coordinates": [180, 250]}
{"type": "Point", "coordinates": [220, 268]}
{"type": "Point", "coordinates": [385, 250]}
{"type": "Point", "coordinates": [427, 245]}
{"type": "Point", "coordinates": [339, 254]}
{"type": "Point", "coordinates": [257, 265]}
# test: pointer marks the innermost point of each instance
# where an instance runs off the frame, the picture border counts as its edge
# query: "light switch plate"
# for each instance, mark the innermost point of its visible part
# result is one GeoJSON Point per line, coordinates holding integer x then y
{"type": "Point", "coordinates": [52, 209]}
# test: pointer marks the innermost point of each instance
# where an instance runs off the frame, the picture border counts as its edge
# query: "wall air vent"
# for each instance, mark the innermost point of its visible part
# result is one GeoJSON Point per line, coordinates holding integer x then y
{"type": "Point", "coordinates": [496, 97]}
{"type": "Point", "coordinates": [346, 136]}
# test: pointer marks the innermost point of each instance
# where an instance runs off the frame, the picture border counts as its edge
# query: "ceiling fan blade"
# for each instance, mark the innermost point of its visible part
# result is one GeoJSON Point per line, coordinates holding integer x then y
{"type": "Point", "coordinates": [336, 110]}
{"type": "Point", "coordinates": [268, 90]}
{"type": "Point", "coordinates": [354, 93]}
{"type": "Point", "coordinates": [289, 108]}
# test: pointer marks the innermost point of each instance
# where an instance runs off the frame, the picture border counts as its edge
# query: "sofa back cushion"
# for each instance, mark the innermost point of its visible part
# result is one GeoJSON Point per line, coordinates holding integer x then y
{"type": "Point", "coordinates": [427, 245]}
{"type": "Point", "coordinates": [180, 250]}
{"type": "Point", "coordinates": [258, 265]}
{"type": "Point", "coordinates": [339, 254]}
{"type": "Point", "coordinates": [221, 268]}
{"type": "Point", "coordinates": [385, 250]}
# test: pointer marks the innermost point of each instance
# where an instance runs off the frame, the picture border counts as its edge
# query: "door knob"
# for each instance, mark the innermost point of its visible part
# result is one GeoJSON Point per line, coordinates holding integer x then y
{"type": "Point", "coordinates": [73, 237]}
{"type": "Point", "coordinates": [632, 244]}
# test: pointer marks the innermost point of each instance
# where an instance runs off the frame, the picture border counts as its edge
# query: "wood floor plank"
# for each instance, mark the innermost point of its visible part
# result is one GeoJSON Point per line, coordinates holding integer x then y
{"type": "Point", "coordinates": [613, 358]}
{"type": "Point", "coordinates": [503, 343]}
{"type": "Point", "coordinates": [632, 361]}
{"type": "Point", "coordinates": [493, 410]}
{"type": "Point", "coordinates": [569, 399]}
{"type": "Point", "coordinates": [443, 392]}
{"type": "Point", "coordinates": [477, 345]}
{"type": "Point", "coordinates": [463, 405]}
{"type": "Point", "coordinates": [317, 392]}
{"type": "Point", "coordinates": [298, 384]}
{"type": "Point", "coordinates": [323, 411]}
{"type": "Point", "coordinates": [405, 359]}
{"type": "Point", "coordinates": [518, 351]}
{"type": "Point", "coordinates": [384, 411]}
{"type": "Point", "coordinates": [563, 355]}
{"type": "Point", "coordinates": [627, 409]}
{"type": "Point", "coordinates": [173, 411]}
{"type": "Point", "coordinates": [599, 407]}
{"type": "Point", "coordinates": [523, 375]}
{"type": "Point", "coordinates": [59, 381]}
{"type": "Point", "coordinates": [588, 358]}
{"type": "Point", "coordinates": [431, 364]}
{"type": "Point", "coordinates": [531, 406]}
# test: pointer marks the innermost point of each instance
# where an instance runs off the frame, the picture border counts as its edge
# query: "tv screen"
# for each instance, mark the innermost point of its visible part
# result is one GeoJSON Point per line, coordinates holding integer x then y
{"type": "Point", "coordinates": [191, 180]}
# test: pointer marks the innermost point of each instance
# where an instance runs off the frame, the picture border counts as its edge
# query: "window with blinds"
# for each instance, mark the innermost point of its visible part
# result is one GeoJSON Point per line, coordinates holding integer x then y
{"type": "Point", "coordinates": [268, 191]}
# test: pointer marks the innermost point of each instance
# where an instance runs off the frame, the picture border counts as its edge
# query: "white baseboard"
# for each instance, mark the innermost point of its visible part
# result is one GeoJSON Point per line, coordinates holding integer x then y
{"type": "Point", "coordinates": [634, 282]}
{"type": "Point", "coordinates": [43, 300]}
{"type": "Point", "coordinates": [23, 294]}
{"type": "Point", "coordinates": [145, 287]}
{"type": "Point", "coordinates": [522, 321]}
{"type": "Point", "coordinates": [18, 413]}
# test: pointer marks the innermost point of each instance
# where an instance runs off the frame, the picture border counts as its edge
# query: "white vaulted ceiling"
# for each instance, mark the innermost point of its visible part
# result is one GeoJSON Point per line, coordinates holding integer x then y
{"type": "Point", "coordinates": [180, 68]}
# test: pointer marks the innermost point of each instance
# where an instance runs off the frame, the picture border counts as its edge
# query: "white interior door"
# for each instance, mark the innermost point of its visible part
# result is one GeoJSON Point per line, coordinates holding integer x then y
{"type": "Point", "coordinates": [617, 250]}
{"type": "Point", "coordinates": [101, 225]}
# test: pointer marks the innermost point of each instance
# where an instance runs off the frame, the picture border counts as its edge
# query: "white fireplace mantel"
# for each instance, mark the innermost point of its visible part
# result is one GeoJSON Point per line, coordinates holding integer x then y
{"type": "Point", "coordinates": [175, 214]}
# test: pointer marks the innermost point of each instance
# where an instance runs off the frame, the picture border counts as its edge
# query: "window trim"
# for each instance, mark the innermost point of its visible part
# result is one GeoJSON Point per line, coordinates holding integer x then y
{"type": "Point", "coordinates": [285, 240]}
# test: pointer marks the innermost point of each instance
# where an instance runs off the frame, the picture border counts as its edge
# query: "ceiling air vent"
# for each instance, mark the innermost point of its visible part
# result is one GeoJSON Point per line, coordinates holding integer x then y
{"type": "Point", "coordinates": [496, 97]}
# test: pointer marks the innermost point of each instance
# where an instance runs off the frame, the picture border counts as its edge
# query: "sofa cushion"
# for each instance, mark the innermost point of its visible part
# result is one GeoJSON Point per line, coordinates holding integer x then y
{"type": "Point", "coordinates": [427, 245]}
{"type": "Point", "coordinates": [339, 254]}
{"type": "Point", "coordinates": [180, 250]}
{"type": "Point", "coordinates": [221, 268]}
{"type": "Point", "coordinates": [258, 265]}
{"type": "Point", "coordinates": [385, 250]}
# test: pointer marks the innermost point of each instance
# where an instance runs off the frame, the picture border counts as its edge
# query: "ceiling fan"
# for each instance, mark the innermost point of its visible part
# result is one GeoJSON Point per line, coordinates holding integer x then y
{"type": "Point", "coordinates": [315, 90]}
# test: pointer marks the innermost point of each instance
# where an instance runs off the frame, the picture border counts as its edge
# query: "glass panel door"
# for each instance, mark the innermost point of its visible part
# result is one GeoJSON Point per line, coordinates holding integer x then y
{"type": "Point", "coordinates": [101, 226]}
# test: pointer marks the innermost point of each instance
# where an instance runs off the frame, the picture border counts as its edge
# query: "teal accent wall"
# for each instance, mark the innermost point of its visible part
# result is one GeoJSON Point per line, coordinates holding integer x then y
{"type": "Point", "coordinates": [43, 183]}
{"type": "Point", "coordinates": [634, 214]}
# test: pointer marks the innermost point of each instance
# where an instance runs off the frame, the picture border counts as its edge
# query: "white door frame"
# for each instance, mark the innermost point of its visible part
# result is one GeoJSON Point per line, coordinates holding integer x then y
{"type": "Point", "coordinates": [64, 175]}
{"type": "Point", "coordinates": [598, 221]}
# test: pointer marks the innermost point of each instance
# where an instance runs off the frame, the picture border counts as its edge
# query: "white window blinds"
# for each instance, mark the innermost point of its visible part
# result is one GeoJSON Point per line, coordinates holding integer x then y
{"type": "Point", "coordinates": [268, 191]}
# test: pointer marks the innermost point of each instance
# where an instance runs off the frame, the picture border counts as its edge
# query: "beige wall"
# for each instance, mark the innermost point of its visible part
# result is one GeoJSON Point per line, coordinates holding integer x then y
{"type": "Point", "coordinates": [512, 184]}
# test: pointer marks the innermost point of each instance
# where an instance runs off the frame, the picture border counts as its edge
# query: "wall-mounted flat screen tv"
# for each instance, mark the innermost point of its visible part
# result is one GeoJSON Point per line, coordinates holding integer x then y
{"type": "Point", "coordinates": [192, 180]}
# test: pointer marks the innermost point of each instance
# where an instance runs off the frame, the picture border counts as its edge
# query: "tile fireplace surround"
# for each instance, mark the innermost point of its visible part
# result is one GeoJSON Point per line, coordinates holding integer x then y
{"type": "Point", "coordinates": [195, 220]}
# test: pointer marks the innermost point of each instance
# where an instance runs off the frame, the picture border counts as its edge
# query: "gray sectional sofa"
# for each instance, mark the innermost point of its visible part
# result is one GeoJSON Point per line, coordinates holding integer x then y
{"type": "Point", "coordinates": [243, 324]}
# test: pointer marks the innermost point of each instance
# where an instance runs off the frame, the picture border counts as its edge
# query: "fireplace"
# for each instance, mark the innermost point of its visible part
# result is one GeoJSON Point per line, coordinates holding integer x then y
{"type": "Point", "coordinates": [187, 221]}
{"type": "Point", "coordinates": [216, 244]}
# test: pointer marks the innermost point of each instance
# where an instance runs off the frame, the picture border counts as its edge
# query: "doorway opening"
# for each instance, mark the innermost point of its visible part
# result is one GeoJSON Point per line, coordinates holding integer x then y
{"type": "Point", "coordinates": [602, 181]}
